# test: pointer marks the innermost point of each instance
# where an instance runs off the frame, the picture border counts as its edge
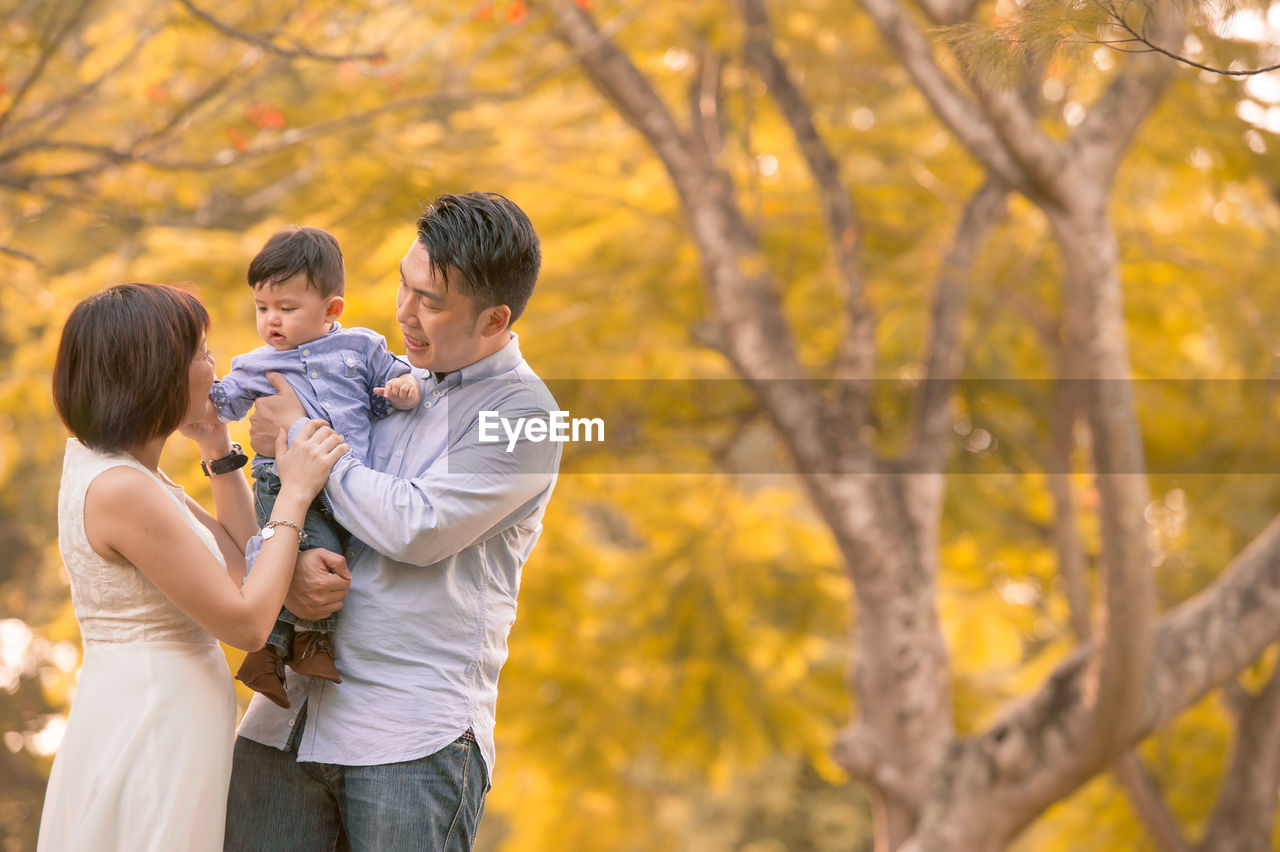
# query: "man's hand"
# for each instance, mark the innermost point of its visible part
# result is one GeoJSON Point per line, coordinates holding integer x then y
{"type": "Point", "coordinates": [402, 392]}
{"type": "Point", "coordinates": [320, 582]}
{"type": "Point", "coordinates": [271, 414]}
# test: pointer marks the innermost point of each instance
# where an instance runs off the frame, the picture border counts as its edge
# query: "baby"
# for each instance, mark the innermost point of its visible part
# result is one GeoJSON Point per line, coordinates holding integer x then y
{"type": "Point", "coordinates": [344, 376]}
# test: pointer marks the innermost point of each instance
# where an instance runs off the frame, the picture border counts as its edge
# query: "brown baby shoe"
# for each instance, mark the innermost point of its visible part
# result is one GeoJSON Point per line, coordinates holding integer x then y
{"type": "Point", "coordinates": [263, 672]}
{"type": "Point", "coordinates": [313, 655]}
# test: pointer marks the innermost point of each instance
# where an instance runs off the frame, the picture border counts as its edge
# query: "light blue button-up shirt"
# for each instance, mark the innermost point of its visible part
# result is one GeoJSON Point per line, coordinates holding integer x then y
{"type": "Point", "coordinates": [334, 377]}
{"type": "Point", "coordinates": [447, 523]}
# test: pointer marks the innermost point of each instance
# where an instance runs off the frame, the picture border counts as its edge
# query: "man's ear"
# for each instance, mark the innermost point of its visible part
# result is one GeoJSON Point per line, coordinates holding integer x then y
{"type": "Point", "coordinates": [333, 310]}
{"type": "Point", "coordinates": [494, 320]}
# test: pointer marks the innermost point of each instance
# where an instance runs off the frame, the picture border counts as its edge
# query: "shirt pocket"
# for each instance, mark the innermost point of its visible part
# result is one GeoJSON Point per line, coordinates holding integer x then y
{"type": "Point", "coordinates": [352, 364]}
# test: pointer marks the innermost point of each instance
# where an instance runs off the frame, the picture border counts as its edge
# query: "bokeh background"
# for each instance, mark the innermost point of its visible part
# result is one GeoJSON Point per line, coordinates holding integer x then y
{"type": "Point", "coordinates": [683, 663]}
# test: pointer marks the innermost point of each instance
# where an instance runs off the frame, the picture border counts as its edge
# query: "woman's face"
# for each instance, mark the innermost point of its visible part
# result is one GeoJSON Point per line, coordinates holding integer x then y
{"type": "Point", "coordinates": [200, 379]}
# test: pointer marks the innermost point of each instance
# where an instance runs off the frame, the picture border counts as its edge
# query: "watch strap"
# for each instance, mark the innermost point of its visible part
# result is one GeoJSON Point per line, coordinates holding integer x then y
{"type": "Point", "coordinates": [233, 460]}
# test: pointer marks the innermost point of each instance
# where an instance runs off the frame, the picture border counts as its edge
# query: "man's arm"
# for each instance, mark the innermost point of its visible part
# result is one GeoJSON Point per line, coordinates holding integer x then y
{"type": "Point", "coordinates": [470, 494]}
{"type": "Point", "coordinates": [320, 582]}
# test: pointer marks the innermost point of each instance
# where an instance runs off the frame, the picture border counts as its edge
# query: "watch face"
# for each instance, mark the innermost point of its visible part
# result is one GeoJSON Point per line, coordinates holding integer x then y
{"type": "Point", "coordinates": [267, 532]}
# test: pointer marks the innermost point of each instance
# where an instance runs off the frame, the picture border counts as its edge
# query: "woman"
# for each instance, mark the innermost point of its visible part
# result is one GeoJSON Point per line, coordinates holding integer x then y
{"type": "Point", "coordinates": [155, 579]}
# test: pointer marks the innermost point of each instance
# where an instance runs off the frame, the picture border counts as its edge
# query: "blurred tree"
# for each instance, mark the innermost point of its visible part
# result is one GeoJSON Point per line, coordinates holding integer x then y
{"type": "Point", "coordinates": [235, 124]}
{"type": "Point", "coordinates": [1133, 671]}
{"type": "Point", "coordinates": [677, 670]}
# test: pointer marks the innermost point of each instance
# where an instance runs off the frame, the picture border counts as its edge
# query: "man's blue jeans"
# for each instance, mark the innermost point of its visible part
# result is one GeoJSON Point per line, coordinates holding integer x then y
{"type": "Point", "coordinates": [277, 804]}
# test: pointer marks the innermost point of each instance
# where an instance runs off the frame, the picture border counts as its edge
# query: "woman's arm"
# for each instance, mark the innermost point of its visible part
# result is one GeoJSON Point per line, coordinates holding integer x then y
{"type": "Point", "coordinates": [236, 522]}
{"type": "Point", "coordinates": [232, 554]}
{"type": "Point", "coordinates": [128, 515]}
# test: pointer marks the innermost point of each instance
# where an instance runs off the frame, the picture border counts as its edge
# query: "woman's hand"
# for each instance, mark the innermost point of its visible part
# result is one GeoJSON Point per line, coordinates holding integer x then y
{"type": "Point", "coordinates": [305, 464]}
{"type": "Point", "coordinates": [210, 434]}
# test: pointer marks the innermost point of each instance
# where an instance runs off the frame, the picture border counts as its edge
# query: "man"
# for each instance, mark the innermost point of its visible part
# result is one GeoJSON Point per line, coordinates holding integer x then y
{"type": "Point", "coordinates": [398, 756]}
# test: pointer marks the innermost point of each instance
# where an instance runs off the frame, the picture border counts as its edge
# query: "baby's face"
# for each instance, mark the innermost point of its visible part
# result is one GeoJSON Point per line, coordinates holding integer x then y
{"type": "Point", "coordinates": [291, 313]}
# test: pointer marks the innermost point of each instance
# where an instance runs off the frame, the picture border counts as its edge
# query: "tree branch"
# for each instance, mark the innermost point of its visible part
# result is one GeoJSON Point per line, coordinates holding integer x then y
{"type": "Point", "coordinates": [60, 108]}
{"type": "Point", "coordinates": [705, 108]}
{"type": "Point", "coordinates": [1035, 753]}
{"type": "Point", "coordinates": [929, 443]}
{"type": "Point", "coordinates": [50, 48]}
{"type": "Point", "coordinates": [114, 155]}
{"type": "Point", "coordinates": [1066, 531]}
{"type": "Point", "coordinates": [290, 138]}
{"type": "Point", "coordinates": [1113, 120]}
{"type": "Point", "coordinates": [1145, 797]}
{"type": "Point", "coordinates": [1245, 812]}
{"type": "Point", "coordinates": [1096, 334]}
{"type": "Point", "coordinates": [20, 255]}
{"type": "Point", "coordinates": [1129, 770]}
{"type": "Point", "coordinates": [856, 358]}
{"type": "Point", "coordinates": [267, 44]}
{"type": "Point", "coordinates": [746, 301]}
{"type": "Point", "coordinates": [1118, 19]}
{"type": "Point", "coordinates": [857, 751]}
{"type": "Point", "coordinates": [1041, 159]}
{"type": "Point", "coordinates": [956, 110]}
{"type": "Point", "coordinates": [947, 12]}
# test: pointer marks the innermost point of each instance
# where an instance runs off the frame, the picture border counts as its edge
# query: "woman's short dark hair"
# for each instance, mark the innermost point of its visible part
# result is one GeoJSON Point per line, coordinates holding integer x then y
{"type": "Point", "coordinates": [124, 364]}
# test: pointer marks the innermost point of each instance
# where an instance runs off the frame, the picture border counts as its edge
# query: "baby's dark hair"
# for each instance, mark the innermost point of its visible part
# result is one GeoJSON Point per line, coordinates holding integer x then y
{"type": "Point", "coordinates": [300, 249]}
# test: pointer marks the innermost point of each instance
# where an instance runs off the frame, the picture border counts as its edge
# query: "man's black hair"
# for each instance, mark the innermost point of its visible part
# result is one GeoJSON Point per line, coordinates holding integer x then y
{"type": "Point", "coordinates": [489, 241]}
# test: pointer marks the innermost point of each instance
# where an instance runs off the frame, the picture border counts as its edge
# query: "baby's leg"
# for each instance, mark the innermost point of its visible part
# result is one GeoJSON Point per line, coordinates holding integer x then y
{"type": "Point", "coordinates": [263, 670]}
{"type": "Point", "coordinates": [313, 642]}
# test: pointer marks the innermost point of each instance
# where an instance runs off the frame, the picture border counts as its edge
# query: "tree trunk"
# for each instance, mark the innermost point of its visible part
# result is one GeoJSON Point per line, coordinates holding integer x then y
{"type": "Point", "coordinates": [901, 675]}
{"type": "Point", "coordinates": [1094, 308]}
{"type": "Point", "coordinates": [934, 791]}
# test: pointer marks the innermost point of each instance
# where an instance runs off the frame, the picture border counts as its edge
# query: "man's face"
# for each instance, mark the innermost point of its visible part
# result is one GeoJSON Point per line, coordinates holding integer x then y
{"type": "Point", "coordinates": [292, 313]}
{"type": "Point", "coordinates": [441, 330]}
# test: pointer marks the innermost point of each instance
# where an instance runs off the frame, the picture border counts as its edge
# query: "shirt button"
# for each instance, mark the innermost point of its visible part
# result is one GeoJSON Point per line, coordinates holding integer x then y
{"type": "Point", "coordinates": [328, 405]}
{"type": "Point", "coordinates": [314, 374]}
{"type": "Point", "coordinates": [426, 404]}
{"type": "Point", "coordinates": [306, 351]}
{"type": "Point", "coordinates": [291, 721]}
{"type": "Point", "coordinates": [436, 392]}
{"type": "Point", "coordinates": [351, 554]}
{"type": "Point", "coordinates": [351, 362]}
{"type": "Point", "coordinates": [399, 452]}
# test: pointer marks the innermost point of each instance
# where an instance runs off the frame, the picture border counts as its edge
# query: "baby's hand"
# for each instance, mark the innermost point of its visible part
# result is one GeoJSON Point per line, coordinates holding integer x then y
{"type": "Point", "coordinates": [402, 391]}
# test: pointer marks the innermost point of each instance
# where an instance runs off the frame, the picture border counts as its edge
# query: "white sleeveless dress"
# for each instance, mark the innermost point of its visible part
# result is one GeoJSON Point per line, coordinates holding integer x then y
{"type": "Point", "coordinates": [146, 759]}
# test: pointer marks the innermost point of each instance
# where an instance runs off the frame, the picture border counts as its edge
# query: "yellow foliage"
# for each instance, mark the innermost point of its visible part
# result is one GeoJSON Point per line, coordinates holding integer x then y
{"type": "Point", "coordinates": [678, 670]}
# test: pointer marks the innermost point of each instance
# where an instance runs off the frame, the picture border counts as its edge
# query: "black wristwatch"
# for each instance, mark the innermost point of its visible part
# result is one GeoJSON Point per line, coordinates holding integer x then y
{"type": "Point", "coordinates": [233, 460]}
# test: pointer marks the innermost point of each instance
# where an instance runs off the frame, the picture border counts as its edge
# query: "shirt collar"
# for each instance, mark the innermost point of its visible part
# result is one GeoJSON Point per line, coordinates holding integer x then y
{"type": "Point", "coordinates": [504, 360]}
